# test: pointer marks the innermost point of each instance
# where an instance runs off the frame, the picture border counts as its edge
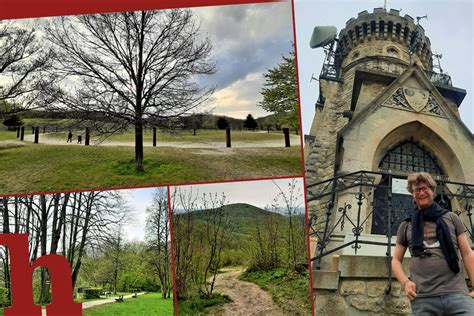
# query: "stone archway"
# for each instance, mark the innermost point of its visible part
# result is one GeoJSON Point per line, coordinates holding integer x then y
{"type": "Point", "coordinates": [426, 138]}
{"type": "Point", "coordinates": [406, 149]}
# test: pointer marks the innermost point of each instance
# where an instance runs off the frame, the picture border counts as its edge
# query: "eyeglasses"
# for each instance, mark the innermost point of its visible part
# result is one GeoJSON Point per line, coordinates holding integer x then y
{"type": "Point", "coordinates": [424, 189]}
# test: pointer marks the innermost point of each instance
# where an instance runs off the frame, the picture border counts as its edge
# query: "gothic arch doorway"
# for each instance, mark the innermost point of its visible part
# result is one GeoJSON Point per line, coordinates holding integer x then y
{"type": "Point", "coordinates": [403, 158]}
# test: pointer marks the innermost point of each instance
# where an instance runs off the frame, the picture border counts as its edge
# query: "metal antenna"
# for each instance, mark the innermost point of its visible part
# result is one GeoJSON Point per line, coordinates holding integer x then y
{"type": "Point", "coordinates": [438, 58]}
{"type": "Point", "coordinates": [418, 18]}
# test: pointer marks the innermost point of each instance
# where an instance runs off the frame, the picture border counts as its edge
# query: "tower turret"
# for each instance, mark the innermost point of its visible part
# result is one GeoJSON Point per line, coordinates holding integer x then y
{"type": "Point", "coordinates": [382, 38]}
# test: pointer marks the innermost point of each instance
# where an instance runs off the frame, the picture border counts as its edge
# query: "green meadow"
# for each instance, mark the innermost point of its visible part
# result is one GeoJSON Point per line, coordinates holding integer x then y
{"type": "Point", "coordinates": [28, 168]}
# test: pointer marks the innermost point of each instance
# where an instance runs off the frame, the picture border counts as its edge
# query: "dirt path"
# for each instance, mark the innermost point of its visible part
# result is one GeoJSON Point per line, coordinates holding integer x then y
{"type": "Point", "coordinates": [294, 141]}
{"type": "Point", "coordinates": [248, 298]}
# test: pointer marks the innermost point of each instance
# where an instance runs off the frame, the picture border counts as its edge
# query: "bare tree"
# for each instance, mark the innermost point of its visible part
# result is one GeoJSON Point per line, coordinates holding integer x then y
{"type": "Point", "coordinates": [266, 252]}
{"type": "Point", "coordinates": [158, 239]}
{"type": "Point", "coordinates": [217, 226]}
{"type": "Point", "coordinates": [22, 58]}
{"type": "Point", "coordinates": [295, 236]}
{"type": "Point", "coordinates": [133, 67]}
{"type": "Point", "coordinates": [61, 223]}
{"type": "Point", "coordinates": [114, 248]}
{"type": "Point", "coordinates": [182, 205]}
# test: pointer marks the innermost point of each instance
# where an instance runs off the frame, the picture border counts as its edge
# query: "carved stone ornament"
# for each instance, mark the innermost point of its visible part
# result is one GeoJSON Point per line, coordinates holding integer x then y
{"type": "Point", "coordinates": [417, 98]}
{"type": "Point", "coordinates": [397, 100]}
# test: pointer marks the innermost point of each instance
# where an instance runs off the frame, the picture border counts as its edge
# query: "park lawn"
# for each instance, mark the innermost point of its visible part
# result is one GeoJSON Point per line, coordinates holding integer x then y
{"type": "Point", "coordinates": [7, 135]}
{"type": "Point", "coordinates": [147, 304]}
{"type": "Point", "coordinates": [102, 297]}
{"type": "Point", "coordinates": [289, 290]}
{"type": "Point", "coordinates": [34, 168]}
{"type": "Point", "coordinates": [185, 136]}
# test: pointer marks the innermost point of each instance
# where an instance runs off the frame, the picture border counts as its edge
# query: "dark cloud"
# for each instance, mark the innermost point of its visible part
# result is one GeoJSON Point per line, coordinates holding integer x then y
{"type": "Point", "coordinates": [246, 39]}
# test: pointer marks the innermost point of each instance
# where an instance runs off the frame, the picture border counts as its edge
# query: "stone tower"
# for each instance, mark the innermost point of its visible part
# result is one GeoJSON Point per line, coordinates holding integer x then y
{"type": "Point", "coordinates": [382, 113]}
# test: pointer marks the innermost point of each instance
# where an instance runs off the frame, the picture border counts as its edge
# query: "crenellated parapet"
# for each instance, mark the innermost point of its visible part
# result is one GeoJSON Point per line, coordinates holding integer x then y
{"type": "Point", "coordinates": [382, 34]}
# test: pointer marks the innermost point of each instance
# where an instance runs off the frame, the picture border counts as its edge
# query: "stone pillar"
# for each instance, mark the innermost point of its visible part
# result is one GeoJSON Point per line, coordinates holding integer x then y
{"type": "Point", "coordinates": [36, 129]}
{"type": "Point", "coordinates": [227, 137]}
{"type": "Point", "coordinates": [286, 131]}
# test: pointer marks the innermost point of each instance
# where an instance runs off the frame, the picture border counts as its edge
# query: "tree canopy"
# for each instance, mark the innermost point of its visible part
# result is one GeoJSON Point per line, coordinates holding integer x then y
{"type": "Point", "coordinates": [250, 122]}
{"type": "Point", "coordinates": [22, 58]}
{"type": "Point", "coordinates": [280, 91]}
{"type": "Point", "coordinates": [222, 123]}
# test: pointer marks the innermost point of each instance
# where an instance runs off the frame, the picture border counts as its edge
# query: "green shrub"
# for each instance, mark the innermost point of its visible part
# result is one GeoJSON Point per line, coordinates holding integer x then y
{"type": "Point", "coordinates": [197, 304]}
{"type": "Point", "coordinates": [4, 297]}
{"type": "Point", "coordinates": [92, 293]}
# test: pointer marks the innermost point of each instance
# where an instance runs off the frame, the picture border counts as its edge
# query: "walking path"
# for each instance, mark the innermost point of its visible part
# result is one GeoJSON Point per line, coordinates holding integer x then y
{"type": "Point", "coordinates": [247, 298]}
{"type": "Point", "coordinates": [294, 141]}
{"type": "Point", "coordinates": [98, 302]}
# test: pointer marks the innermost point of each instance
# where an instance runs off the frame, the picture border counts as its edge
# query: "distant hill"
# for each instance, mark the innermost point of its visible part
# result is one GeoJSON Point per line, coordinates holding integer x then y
{"type": "Point", "coordinates": [244, 217]}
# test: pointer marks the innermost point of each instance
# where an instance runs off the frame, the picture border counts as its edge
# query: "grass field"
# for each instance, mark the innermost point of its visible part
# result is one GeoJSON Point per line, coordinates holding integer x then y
{"type": "Point", "coordinates": [7, 135]}
{"type": "Point", "coordinates": [148, 304]}
{"type": "Point", "coordinates": [290, 291]}
{"type": "Point", "coordinates": [186, 136]}
{"type": "Point", "coordinates": [32, 168]}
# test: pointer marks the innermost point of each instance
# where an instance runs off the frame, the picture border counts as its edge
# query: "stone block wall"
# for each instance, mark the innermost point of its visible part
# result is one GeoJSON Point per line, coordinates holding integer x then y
{"type": "Point", "coordinates": [359, 288]}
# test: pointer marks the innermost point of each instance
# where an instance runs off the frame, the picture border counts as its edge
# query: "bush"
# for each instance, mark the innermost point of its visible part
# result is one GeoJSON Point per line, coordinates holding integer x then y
{"type": "Point", "coordinates": [92, 293]}
{"type": "Point", "coordinates": [222, 123]}
{"type": "Point", "coordinates": [4, 297]}
{"type": "Point", "coordinates": [198, 304]}
{"type": "Point", "coordinates": [12, 122]}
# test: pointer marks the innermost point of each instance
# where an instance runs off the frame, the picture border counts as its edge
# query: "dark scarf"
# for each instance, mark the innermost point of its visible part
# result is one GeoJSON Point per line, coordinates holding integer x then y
{"type": "Point", "coordinates": [433, 213]}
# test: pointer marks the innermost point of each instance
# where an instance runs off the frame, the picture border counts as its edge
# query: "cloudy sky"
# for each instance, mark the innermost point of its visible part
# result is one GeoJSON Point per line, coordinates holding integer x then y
{"type": "Point", "coordinates": [449, 27]}
{"type": "Point", "coordinates": [258, 193]}
{"type": "Point", "coordinates": [248, 40]}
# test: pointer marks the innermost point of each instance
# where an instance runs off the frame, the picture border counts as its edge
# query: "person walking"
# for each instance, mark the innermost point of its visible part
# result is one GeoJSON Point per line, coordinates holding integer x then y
{"type": "Point", "coordinates": [69, 137]}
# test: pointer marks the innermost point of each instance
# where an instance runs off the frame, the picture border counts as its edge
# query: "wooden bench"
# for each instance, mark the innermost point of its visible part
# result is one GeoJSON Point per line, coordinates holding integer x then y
{"type": "Point", "coordinates": [119, 299]}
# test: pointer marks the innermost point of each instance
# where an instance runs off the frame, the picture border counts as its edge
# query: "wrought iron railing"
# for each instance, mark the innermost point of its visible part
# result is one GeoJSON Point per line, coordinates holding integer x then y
{"type": "Point", "coordinates": [439, 78]}
{"type": "Point", "coordinates": [354, 202]}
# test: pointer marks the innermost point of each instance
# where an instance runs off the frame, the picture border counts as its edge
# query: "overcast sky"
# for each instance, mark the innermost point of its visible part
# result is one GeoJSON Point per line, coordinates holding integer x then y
{"type": "Point", "coordinates": [259, 193]}
{"type": "Point", "coordinates": [248, 40]}
{"type": "Point", "coordinates": [449, 27]}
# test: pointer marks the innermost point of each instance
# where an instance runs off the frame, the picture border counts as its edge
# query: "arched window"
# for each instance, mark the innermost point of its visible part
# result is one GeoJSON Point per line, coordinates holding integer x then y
{"type": "Point", "coordinates": [405, 157]}
{"type": "Point", "coordinates": [409, 156]}
{"type": "Point", "coordinates": [392, 52]}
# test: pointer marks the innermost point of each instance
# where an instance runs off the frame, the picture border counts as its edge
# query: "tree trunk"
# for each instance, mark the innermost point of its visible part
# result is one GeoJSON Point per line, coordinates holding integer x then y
{"type": "Point", "coordinates": [139, 146]}
{"type": "Point", "coordinates": [6, 260]}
